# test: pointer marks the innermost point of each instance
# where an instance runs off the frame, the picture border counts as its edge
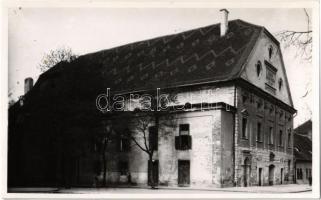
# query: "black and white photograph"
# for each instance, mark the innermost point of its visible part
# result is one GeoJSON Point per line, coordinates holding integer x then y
{"type": "Point", "coordinates": [186, 100]}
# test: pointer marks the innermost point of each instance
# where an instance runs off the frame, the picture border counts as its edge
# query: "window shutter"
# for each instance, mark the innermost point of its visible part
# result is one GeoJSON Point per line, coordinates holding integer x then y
{"type": "Point", "coordinates": [189, 142]}
{"type": "Point", "coordinates": [177, 146]}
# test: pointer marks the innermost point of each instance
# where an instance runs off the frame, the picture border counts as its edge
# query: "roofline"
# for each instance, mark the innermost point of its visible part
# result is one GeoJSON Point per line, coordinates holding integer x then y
{"type": "Point", "coordinates": [236, 81]}
{"type": "Point", "coordinates": [172, 34]}
{"type": "Point", "coordinates": [271, 36]}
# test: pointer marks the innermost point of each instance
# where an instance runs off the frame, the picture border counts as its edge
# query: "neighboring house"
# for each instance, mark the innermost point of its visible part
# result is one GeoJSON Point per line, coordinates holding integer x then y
{"type": "Point", "coordinates": [244, 138]}
{"type": "Point", "coordinates": [303, 152]}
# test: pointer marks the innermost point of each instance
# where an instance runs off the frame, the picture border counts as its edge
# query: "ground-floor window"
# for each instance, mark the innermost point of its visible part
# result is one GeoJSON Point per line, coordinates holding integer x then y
{"type": "Point", "coordinates": [123, 167]}
{"type": "Point", "coordinates": [299, 173]}
{"type": "Point", "coordinates": [308, 173]}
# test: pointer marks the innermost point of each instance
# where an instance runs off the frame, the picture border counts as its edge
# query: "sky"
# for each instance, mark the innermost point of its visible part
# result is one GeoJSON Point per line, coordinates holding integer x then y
{"type": "Point", "coordinates": [33, 32]}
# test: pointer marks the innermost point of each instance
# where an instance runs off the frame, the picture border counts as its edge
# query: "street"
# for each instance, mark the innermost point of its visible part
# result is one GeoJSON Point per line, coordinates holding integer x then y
{"type": "Point", "coordinates": [290, 188]}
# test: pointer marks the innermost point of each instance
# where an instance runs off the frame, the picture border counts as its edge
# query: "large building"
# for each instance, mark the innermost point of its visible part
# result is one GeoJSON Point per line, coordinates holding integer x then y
{"type": "Point", "coordinates": [237, 122]}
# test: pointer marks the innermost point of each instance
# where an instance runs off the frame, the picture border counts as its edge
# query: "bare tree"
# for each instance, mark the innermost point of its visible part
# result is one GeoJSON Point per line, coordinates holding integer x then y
{"type": "Point", "coordinates": [55, 56]}
{"type": "Point", "coordinates": [302, 40]}
{"type": "Point", "coordinates": [143, 126]}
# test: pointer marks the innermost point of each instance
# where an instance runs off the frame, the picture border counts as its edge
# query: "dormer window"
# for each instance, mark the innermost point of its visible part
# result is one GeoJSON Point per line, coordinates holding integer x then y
{"type": "Point", "coordinates": [258, 68]}
{"type": "Point", "coordinates": [270, 51]}
{"type": "Point", "coordinates": [280, 83]}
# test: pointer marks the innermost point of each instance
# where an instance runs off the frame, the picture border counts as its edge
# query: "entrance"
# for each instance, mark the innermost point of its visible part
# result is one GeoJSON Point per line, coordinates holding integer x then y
{"type": "Point", "coordinates": [281, 175]}
{"type": "Point", "coordinates": [183, 172]}
{"type": "Point", "coordinates": [246, 173]}
{"type": "Point", "coordinates": [271, 174]}
{"type": "Point", "coordinates": [154, 176]}
{"type": "Point", "coordinates": [260, 177]}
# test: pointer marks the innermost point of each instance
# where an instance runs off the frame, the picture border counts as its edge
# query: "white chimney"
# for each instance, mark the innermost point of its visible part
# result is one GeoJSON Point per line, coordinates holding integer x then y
{"type": "Point", "coordinates": [28, 84]}
{"type": "Point", "coordinates": [224, 21]}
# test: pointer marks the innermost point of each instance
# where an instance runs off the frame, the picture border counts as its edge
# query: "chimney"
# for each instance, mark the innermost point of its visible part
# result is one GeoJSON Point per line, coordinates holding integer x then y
{"type": "Point", "coordinates": [28, 84]}
{"type": "Point", "coordinates": [224, 22]}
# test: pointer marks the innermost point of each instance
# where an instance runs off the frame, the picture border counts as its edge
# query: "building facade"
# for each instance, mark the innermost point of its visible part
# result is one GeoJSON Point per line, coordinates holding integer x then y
{"type": "Point", "coordinates": [236, 128]}
{"type": "Point", "coordinates": [303, 153]}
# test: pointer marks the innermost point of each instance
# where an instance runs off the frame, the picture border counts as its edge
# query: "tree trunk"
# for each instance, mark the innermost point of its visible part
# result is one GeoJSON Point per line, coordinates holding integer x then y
{"type": "Point", "coordinates": [151, 171]}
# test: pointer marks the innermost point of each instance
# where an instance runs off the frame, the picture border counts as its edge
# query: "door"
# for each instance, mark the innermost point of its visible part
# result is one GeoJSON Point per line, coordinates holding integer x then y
{"type": "Point", "coordinates": [260, 177]}
{"type": "Point", "coordinates": [246, 172]}
{"type": "Point", "coordinates": [183, 172]}
{"type": "Point", "coordinates": [271, 174]}
{"type": "Point", "coordinates": [155, 172]}
{"type": "Point", "coordinates": [281, 175]}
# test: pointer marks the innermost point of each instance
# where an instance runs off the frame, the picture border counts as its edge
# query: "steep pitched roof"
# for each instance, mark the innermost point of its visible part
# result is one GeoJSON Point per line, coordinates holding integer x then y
{"type": "Point", "coordinates": [302, 148]}
{"type": "Point", "coordinates": [192, 57]}
{"type": "Point", "coordinates": [304, 128]}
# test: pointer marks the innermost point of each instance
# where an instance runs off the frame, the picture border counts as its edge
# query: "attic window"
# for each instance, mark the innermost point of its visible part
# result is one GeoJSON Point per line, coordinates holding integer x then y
{"type": "Point", "coordinates": [258, 68]}
{"type": "Point", "coordinates": [270, 51]}
{"type": "Point", "coordinates": [280, 83]}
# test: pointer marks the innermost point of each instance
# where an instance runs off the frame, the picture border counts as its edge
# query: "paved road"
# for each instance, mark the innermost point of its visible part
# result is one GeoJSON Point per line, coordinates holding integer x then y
{"type": "Point", "coordinates": [291, 188]}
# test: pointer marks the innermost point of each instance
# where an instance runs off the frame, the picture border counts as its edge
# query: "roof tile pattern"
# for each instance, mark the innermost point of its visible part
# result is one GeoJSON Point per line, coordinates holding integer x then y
{"type": "Point", "coordinates": [195, 56]}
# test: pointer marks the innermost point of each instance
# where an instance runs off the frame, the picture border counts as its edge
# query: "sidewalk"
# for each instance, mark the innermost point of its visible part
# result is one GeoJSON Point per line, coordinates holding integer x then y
{"type": "Point", "coordinates": [290, 188]}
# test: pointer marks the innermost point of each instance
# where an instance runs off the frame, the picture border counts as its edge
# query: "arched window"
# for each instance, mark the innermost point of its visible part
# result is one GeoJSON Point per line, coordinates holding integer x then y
{"type": "Point", "coordinates": [270, 51]}
{"type": "Point", "coordinates": [258, 68]}
{"type": "Point", "coordinates": [280, 83]}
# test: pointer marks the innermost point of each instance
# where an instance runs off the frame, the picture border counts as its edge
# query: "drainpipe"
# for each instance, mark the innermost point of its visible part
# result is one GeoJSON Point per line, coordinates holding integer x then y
{"type": "Point", "coordinates": [233, 146]}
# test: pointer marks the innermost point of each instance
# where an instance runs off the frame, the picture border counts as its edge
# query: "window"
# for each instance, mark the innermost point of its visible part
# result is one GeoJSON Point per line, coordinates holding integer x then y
{"type": "Point", "coordinates": [306, 173]}
{"type": "Point", "coordinates": [259, 137]}
{"type": "Point", "coordinates": [271, 135]}
{"type": "Point", "coordinates": [244, 127]}
{"type": "Point", "coordinates": [270, 75]}
{"type": "Point", "coordinates": [184, 140]}
{"type": "Point", "coordinates": [124, 144]}
{"type": "Point", "coordinates": [299, 173]}
{"type": "Point", "coordinates": [184, 129]}
{"type": "Point", "coordinates": [280, 83]}
{"type": "Point", "coordinates": [270, 51]}
{"type": "Point", "coordinates": [289, 138]}
{"type": "Point", "coordinates": [281, 138]}
{"type": "Point", "coordinates": [123, 167]}
{"type": "Point", "coordinates": [259, 103]}
{"type": "Point", "coordinates": [258, 68]}
{"type": "Point", "coordinates": [153, 138]}
{"type": "Point", "coordinates": [272, 156]}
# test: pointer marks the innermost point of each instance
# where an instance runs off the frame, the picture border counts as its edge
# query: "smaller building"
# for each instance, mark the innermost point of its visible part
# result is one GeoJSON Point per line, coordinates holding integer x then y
{"type": "Point", "coordinates": [303, 152]}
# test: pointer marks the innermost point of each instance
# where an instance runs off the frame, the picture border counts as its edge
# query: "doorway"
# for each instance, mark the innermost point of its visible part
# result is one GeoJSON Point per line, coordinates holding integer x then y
{"type": "Point", "coordinates": [247, 172]}
{"type": "Point", "coordinates": [183, 172]}
{"type": "Point", "coordinates": [271, 174]}
{"type": "Point", "coordinates": [260, 176]}
{"type": "Point", "coordinates": [154, 176]}
{"type": "Point", "coordinates": [281, 175]}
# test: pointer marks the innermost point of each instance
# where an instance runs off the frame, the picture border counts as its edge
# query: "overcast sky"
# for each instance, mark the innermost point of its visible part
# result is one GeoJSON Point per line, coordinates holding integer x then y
{"type": "Point", "coordinates": [35, 31]}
